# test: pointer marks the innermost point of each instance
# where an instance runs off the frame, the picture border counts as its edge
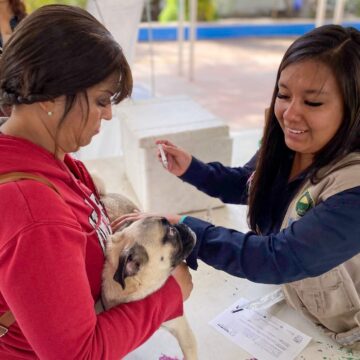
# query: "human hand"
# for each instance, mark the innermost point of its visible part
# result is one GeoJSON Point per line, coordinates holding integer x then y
{"type": "Point", "coordinates": [178, 159]}
{"type": "Point", "coordinates": [131, 217]}
{"type": "Point", "coordinates": [183, 277]}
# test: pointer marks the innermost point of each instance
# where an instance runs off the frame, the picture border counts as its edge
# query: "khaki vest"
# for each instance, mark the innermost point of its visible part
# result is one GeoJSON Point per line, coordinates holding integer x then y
{"type": "Point", "coordinates": [332, 300]}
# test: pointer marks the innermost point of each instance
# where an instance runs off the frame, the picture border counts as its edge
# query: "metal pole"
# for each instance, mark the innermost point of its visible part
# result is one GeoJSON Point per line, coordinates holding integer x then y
{"type": "Point", "coordinates": [339, 11]}
{"type": "Point", "coordinates": [98, 9]}
{"type": "Point", "coordinates": [274, 9]}
{"type": "Point", "coordinates": [320, 13]}
{"type": "Point", "coordinates": [193, 17]}
{"type": "Point", "coordinates": [180, 34]}
{"type": "Point", "coordinates": [151, 48]}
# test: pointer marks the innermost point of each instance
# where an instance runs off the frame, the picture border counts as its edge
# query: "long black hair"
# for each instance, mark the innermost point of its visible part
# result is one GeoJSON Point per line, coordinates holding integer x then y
{"type": "Point", "coordinates": [339, 49]}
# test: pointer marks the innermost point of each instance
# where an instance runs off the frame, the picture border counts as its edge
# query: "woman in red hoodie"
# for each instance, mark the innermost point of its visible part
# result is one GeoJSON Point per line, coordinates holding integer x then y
{"type": "Point", "coordinates": [61, 71]}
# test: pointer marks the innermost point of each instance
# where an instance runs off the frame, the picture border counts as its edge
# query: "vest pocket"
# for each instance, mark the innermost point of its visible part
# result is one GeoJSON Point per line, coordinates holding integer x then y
{"type": "Point", "coordinates": [325, 295]}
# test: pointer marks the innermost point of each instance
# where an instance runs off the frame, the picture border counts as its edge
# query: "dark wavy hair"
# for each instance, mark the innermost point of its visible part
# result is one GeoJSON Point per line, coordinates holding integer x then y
{"type": "Point", "coordinates": [18, 8]}
{"type": "Point", "coordinates": [60, 50]}
{"type": "Point", "coordinates": [339, 49]}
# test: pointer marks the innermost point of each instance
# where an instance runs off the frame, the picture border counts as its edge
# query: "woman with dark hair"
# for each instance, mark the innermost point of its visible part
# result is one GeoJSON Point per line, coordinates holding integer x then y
{"type": "Point", "coordinates": [11, 13]}
{"type": "Point", "coordinates": [302, 187]}
{"type": "Point", "coordinates": [60, 71]}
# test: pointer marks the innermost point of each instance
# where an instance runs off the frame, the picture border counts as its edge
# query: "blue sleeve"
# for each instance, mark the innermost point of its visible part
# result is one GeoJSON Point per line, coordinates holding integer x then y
{"type": "Point", "coordinates": [226, 183]}
{"type": "Point", "coordinates": [325, 237]}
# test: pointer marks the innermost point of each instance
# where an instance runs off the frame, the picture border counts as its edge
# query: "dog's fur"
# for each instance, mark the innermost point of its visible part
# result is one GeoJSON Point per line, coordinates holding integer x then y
{"type": "Point", "coordinates": [140, 258]}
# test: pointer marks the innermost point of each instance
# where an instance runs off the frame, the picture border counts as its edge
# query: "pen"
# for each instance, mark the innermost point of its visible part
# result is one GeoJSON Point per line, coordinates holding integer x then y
{"type": "Point", "coordinates": [163, 156]}
{"type": "Point", "coordinates": [237, 309]}
{"type": "Point", "coordinates": [263, 302]}
{"type": "Point", "coordinates": [251, 305]}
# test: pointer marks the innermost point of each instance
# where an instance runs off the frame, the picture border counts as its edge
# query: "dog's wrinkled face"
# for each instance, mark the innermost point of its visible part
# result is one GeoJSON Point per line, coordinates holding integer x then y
{"type": "Point", "coordinates": [148, 250]}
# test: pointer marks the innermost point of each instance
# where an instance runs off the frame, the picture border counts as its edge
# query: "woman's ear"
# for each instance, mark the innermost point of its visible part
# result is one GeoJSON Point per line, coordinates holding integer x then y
{"type": "Point", "coordinates": [48, 107]}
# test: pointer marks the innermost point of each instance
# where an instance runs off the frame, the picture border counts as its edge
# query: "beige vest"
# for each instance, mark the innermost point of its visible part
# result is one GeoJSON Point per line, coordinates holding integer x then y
{"type": "Point", "coordinates": [332, 300]}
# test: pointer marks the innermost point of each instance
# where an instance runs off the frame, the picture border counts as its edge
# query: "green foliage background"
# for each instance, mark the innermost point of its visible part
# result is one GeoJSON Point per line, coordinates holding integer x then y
{"type": "Point", "coordinates": [206, 10]}
{"type": "Point", "coordinates": [32, 5]}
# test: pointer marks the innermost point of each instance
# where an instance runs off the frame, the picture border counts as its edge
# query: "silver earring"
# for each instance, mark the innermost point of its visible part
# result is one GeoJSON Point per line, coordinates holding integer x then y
{"type": "Point", "coordinates": [50, 113]}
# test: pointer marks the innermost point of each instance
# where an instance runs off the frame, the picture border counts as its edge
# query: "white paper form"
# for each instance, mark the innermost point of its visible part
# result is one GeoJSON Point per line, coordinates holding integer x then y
{"type": "Point", "coordinates": [260, 333]}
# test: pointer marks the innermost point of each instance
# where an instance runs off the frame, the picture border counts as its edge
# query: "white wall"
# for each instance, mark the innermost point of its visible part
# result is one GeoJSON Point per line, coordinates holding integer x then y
{"type": "Point", "coordinates": [121, 18]}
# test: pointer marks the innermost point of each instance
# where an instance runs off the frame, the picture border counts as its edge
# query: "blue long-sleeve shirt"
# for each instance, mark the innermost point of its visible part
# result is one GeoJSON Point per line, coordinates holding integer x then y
{"type": "Point", "coordinates": [327, 236]}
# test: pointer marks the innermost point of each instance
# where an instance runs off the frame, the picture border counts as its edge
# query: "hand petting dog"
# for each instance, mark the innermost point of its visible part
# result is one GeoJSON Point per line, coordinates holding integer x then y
{"type": "Point", "coordinates": [137, 215]}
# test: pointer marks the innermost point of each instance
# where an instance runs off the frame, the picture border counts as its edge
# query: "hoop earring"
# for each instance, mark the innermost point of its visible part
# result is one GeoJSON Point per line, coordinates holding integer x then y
{"type": "Point", "coordinates": [50, 113]}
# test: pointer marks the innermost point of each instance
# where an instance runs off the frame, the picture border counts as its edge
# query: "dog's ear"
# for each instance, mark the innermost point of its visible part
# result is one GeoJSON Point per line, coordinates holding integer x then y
{"type": "Point", "coordinates": [130, 263]}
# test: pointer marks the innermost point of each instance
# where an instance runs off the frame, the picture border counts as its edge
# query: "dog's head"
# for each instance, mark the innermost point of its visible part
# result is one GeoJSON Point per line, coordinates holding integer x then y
{"type": "Point", "coordinates": [144, 253]}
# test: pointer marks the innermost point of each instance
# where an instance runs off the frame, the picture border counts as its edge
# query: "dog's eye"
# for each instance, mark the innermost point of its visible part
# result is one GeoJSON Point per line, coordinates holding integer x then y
{"type": "Point", "coordinates": [171, 235]}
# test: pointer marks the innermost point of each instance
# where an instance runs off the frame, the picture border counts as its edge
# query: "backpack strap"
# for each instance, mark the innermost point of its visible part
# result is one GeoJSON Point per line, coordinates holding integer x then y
{"type": "Point", "coordinates": [17, 176]}
{"type": "Point", "coordinates": [7, 319]}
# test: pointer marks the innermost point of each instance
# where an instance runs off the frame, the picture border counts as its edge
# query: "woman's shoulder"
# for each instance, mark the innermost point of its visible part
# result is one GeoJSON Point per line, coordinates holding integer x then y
{"type": "Point", "coordinates": [349, 162]}
{"type": "Point", "coordinates": [27, 202]}
{"type": "Point", "coordinates": [334, 179]}
{"type": "Point", "coordinates": [346, 171]}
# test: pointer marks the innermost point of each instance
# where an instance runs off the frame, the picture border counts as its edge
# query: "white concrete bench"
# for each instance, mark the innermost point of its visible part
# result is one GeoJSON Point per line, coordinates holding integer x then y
{"type": "Point", "coordinates": [187, 124]}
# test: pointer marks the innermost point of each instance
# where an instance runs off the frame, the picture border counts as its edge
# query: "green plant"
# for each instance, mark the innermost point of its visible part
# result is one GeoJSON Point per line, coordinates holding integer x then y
{"type": "Point", "coordinates": [353, 7]}
{"type": "Point", "coordinates": [206, 10]}
{"type": "Point", "coordinates": [32, 5]}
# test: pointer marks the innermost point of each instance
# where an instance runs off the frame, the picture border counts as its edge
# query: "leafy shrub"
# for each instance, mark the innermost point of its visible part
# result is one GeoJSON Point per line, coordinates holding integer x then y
{"type": "Point", "coordinates": [32, 5]}
{"type": "Point", "coordinates": [206, 10]}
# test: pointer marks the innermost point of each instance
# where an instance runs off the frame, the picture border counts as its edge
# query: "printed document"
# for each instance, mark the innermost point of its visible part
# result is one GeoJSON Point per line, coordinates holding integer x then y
{"type": "Point", "coordinates": [261, 334]}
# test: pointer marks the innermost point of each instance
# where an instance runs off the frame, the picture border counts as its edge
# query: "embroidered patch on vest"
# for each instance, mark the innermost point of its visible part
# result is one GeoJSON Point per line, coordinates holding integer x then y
{"type": "Point", "coordinates": [304, 204]}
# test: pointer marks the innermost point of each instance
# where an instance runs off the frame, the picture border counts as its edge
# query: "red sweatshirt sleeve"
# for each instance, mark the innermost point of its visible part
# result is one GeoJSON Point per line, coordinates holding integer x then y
{"type": "Point", "coordinates": [44, 282]}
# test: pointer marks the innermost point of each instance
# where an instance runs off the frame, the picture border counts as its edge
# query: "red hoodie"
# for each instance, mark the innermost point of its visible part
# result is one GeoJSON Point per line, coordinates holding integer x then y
{"type": "Point", "coordinates": [51, 259]}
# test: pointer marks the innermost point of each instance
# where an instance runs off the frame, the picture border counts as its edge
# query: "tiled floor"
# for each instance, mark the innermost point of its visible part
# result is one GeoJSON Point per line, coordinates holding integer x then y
{"type": "Point", "coordinates": [234, 79]}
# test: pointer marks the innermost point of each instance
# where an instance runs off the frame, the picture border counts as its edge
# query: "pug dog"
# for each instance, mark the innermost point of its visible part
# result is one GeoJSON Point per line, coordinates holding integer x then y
{"type": "Point", "coordinates": [140, 257]}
